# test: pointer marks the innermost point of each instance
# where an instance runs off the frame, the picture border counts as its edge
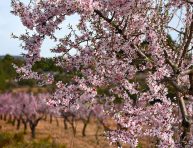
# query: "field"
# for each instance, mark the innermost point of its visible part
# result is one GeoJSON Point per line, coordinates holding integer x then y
{"type": "Point", "coordinates": [55, 136]}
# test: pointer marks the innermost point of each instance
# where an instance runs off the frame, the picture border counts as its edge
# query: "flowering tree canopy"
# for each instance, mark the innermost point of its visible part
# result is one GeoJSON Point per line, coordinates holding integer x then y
{"type": "Point", "coordinates": [126, 60]}
{"type": "Point", "coordinates": [26, 107]}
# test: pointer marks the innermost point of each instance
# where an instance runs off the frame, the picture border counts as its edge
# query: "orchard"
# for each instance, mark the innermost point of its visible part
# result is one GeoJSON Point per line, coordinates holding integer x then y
{"type": "Point", "coordinates": [131, 64]}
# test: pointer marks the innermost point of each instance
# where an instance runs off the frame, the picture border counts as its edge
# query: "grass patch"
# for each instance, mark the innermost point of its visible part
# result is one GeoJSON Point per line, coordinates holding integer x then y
{"type": "Point", "coordinates": [5, 139]}
{"type": "Point", "coordinates": [16, 140]}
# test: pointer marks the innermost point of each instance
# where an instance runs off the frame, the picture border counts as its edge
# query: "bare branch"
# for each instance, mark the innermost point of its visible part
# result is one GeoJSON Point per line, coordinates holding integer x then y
{"type": "Point", "coordinates": [187, 43]}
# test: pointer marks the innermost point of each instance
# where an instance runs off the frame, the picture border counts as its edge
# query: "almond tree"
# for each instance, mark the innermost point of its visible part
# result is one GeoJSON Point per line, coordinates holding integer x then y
{"type": "Point", "coordinates": [6, 105]}
{"type": "Point", "coordinates": [85, 115]}
{"type": "Point", "coordinates": [125, 48]}
{"type": "Point", "coordinates": [26, 108]}
{"type": "Point", "coordinates": [34, 110]}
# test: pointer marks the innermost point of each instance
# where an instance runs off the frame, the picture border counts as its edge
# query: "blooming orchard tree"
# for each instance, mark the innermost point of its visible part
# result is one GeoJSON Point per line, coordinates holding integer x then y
{"type": "Point", "coordinates": [33, 110]}
{"type": "Point", "coordinates": [6, 105]}
{"type": "Point", "coordinates": [84, 115]}
{"type": "Point", "coordinates": [125, 60]}
{"type": "Point", "coordinates": [25, 107]}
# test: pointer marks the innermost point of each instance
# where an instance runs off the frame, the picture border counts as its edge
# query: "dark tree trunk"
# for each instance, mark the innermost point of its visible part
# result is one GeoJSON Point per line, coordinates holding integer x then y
{"type": "Point", "coordinates": [70, 118]}
{"type": "Point", "coordinates": [186, 135]}
{"type": "Point", "coordinates": [119, 145]}
{"type": "Point", "coordinates": [186, 124]}
{"type": "Point", "coordinates": [10, 118]}
{"type": "Point", "coordinates": [85, 126]}
{"type": "Point", "coordinates": [33, 130]}
{"type": "Point", "coordinates": [1, 117]}
{"type": "Point", "coordinates": [85, 122]}
{"type": "Point", "coordinates": [57, 122]}
{"type": "Point", "coordinates": [45, 118]}
{"type": "Point", "coordinates": [5, 117]}
{"type": "Point", "coordinates": [73, 126]}
{"type": "Point", "coordinates": [73, 129]}
{"type": "Point", "coordinates": [33, 124]}
{"type": "Point", "coordinates": [13, 121]}
{"type": "Point", "coordinates": [96, 134]}
{"type": "Point", "coordinates": [18, 124]}
{"type": "Point", "coordinates": [65, 124]}
{"type": "Point", "coordinates": [84, 129]}
{"type": "Point", "coordinates": [24, 127]}
{"type": "Point", "coordinates": [51, 119]}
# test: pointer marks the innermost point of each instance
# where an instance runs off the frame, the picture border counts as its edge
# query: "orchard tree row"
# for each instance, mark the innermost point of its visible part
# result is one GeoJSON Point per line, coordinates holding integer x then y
{"type": "Point", "coordinates": [24, 108]}
{"type": "Point", "coordinates": [29, 109]}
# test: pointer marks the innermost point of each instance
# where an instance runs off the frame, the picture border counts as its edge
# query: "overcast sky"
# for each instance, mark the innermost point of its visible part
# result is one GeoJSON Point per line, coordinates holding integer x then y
{"type": "Point", "coordinates": [11, 24]}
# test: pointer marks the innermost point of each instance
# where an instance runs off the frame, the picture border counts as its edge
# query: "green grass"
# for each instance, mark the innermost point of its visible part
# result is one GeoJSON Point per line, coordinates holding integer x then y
{"type": "Point", "coordinates": [8, 140]}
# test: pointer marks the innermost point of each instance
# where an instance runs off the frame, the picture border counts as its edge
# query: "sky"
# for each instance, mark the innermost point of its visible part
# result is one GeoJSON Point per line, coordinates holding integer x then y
{"type": "Point", "coordinates": [8, 25]}
{"type": "Point", "coordinates": [11, 24]}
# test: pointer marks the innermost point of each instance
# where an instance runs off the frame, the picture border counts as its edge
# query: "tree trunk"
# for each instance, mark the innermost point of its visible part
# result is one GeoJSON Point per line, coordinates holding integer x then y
{"type": "Point", "coordinates": [73, 129]}
{"type": "Point", "coordinates": [18, 124]}
{"type": "Point", "coordinates": [85, 122]}
{"type": "Point", "coordinates": [186, 135]}
{"type": "Point", "coordinates": [13, 122]}
{"type": "Point", "coordinates": [50, 118]}
{"type": "Point", "coordinates": [186, 124]}
{"type": "Point", "coordinates": [65, 124]}
{"type": "Point", "coordinates": [96, 133]}
{"type": "Point", "coordinates": [84, 129]}
{"type": "Point", "coordinates": [33, 128]}
{"type": "Point", "coordinates": [57, 122]}
{"type": "Point", "coordinates": [33, 124]}
{"type": "Point", "coordinates": [10, 119]}
{"type": "Point", "coordinates": [5, 117]}
{"type": "Point", "coordinates": [119, 145]}
{"type": "Point", "coordinates": [45, 117]}
{"type": "Point", "coordinates": [73, 126]}
{"type": "Point", "coordinates": [25, 127]}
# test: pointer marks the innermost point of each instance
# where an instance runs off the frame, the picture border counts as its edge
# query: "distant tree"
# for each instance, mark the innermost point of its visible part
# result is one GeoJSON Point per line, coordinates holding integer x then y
{"type": "Point", "coordinates": [26, 108]}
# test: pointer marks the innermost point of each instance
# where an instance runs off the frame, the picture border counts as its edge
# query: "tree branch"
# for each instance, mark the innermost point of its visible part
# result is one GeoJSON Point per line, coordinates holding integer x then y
{"type": "Point", "coordinates": [119, 30]}
{"type": "Point", "coordinates": [185, 49]}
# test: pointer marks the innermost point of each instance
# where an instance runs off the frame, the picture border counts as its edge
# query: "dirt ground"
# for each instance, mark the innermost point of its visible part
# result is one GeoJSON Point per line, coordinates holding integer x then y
{"type": "Point", "coordinates": [58, 134]}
